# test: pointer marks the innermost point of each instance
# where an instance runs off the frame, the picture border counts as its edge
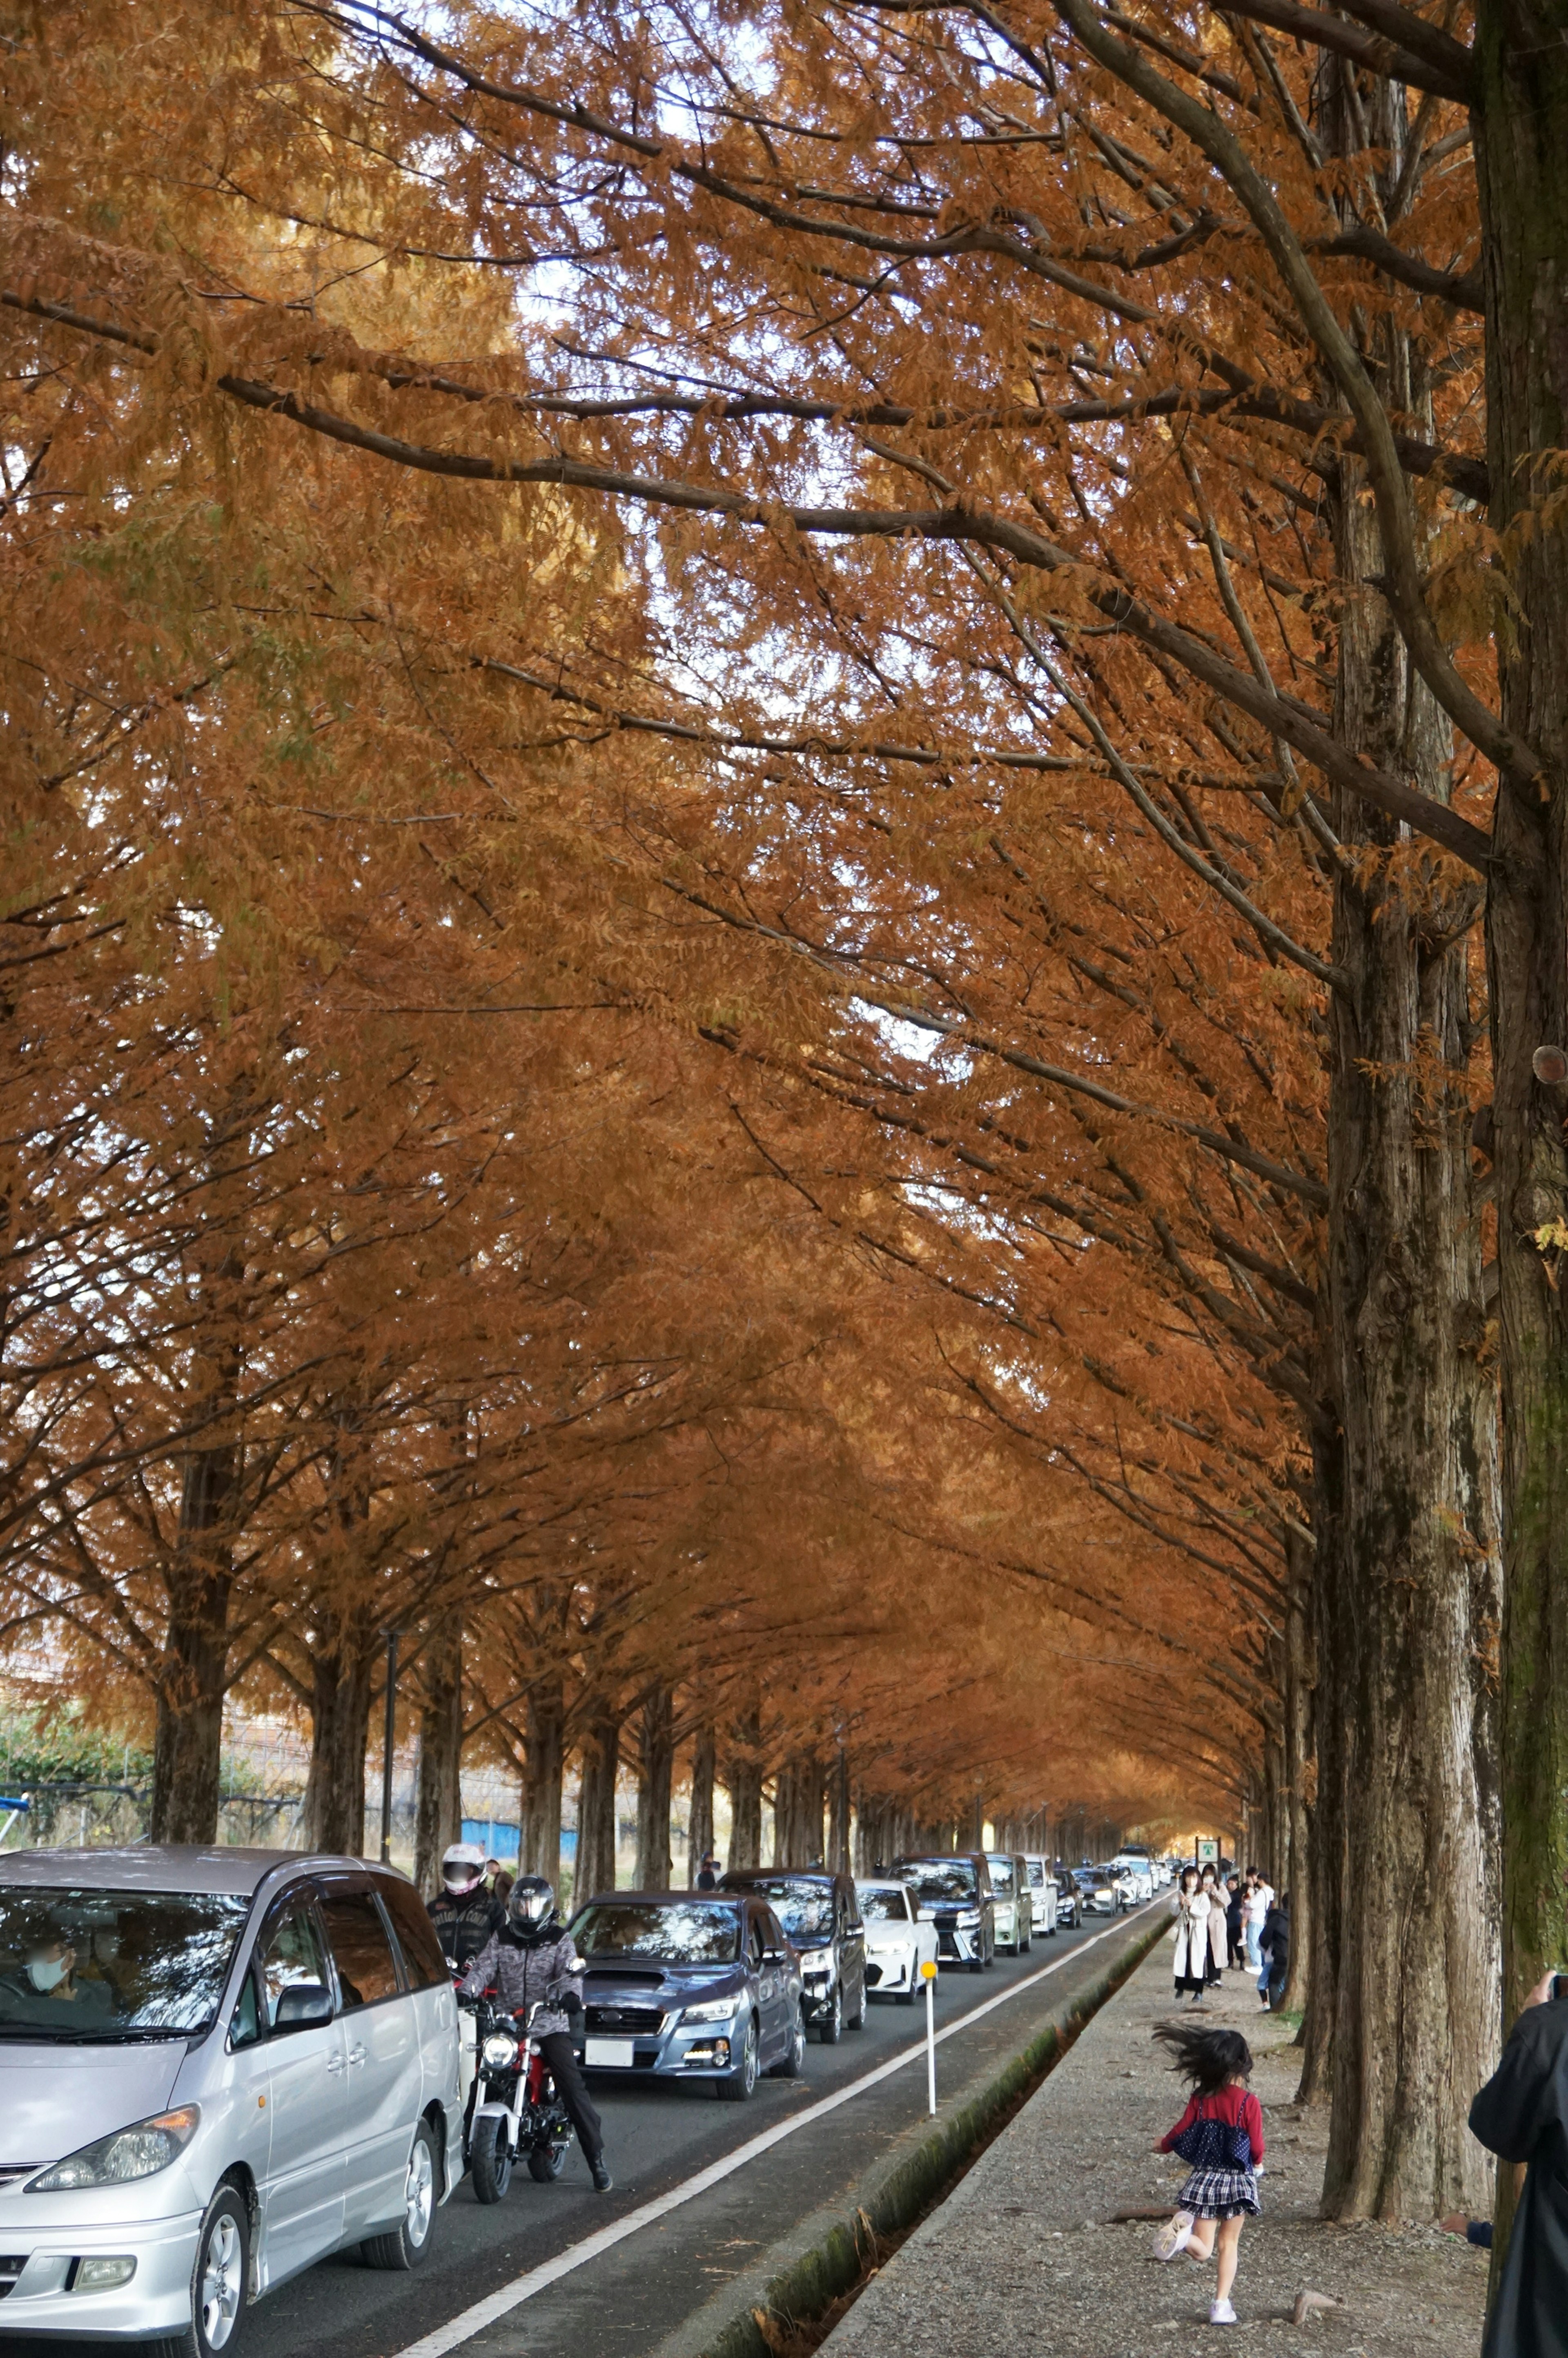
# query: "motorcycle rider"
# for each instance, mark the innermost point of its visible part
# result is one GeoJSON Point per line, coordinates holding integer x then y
{"type": "Point", "coordinates": [463, 1911]}
{"type": "Point", "coordinates": [528, 1962]}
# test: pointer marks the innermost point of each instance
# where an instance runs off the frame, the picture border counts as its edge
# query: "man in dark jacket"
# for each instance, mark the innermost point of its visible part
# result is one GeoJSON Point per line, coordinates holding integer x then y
{"type": "Point", "coordinates": [464, 1913]}
{"type": "Point", "coordinates": [1275, 1948]}
{"type": "Point", "coordinates": [529, 1963]}
{"type": "Point", "coordinates": [1521, 2114]}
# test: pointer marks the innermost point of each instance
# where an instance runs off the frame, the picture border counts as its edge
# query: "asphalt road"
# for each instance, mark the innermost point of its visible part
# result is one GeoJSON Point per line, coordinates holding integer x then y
{"type": "Point", "coordinates": [626, 2302]}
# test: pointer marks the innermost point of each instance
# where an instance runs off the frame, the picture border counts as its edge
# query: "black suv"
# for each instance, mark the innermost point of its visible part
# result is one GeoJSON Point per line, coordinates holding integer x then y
{"type": "Point", "coordinates": [821, 1916]}
{"type": "Point", "coordinates": [954, 1893]}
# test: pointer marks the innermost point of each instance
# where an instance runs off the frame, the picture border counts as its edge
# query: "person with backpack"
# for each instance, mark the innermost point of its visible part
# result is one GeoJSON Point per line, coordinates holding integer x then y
{"type": "Point", "coordinates": [1220, 2136]}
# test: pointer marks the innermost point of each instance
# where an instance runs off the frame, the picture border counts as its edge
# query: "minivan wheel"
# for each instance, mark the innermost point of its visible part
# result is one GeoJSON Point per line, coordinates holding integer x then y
{"type": "Point", "coordinates": [490, 2160]}
{"type": "Point", "coordinates": [407, 2246]}
{"type": "Point", "coordinates": [829, 2030]}
{"type": "Point", "coordinates": [742, 2083]}
{"type": "Point", "coordinates": [218, 2284]}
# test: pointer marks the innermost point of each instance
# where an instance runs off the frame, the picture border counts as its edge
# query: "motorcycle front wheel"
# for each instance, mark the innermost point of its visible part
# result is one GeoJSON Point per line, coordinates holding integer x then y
{"type": "Point", "coordinates": [489, 2163]}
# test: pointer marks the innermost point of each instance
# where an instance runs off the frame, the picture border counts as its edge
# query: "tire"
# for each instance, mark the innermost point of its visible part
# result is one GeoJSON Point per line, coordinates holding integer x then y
{"type": "Point", "coordinates": [489, 2161]}
{"type": "Point", "coordinates": [407, 2246]}
{"type": "Point", "coordinates": [858, 2020]}
{"type": "Point", "coordinates": [792, 2065]}
{"type": "Point", "coordinates": [742, 2081]}
{"type": "Point", "coordinates": [908, 1996]}
{"type": "Point", "coordinates": [547, 2162]}
{"type": "Point", "coordinates": [977, 1965]}
{"type": "Point", "coordinates": [831, 2029]}
{"type": "Point", "coordinates": [219, 2282]}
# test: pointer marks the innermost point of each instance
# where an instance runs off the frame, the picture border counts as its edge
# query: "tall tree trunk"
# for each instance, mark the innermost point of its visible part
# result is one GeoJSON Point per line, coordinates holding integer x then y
{"type": "Point", "coordinates": [837, 1853]}
{"type": "Point", "coordinates": [1411, 1605]}
{"type": "Point", "coordinates": [438, 1806]}
{"type": "Point", "coordinates": [1521, 118]}
{"type": "Point", "coordinates": [743, 1780]}
{"type": "Point", "coordinates": [595, 1869]}
{"type": "Point", "coordinates": [699, 1817]}
{"type": "Point", "coordinates": [655, 1768]}
{"type": "Point", "coordinates": [540, 1836]}
{"type": "Point", "coordinates": [194, 1679]}
{"type": "Point", "coordinates": [1300, 1770]}
{"type": "Point", "coordinates": [343, 1664]}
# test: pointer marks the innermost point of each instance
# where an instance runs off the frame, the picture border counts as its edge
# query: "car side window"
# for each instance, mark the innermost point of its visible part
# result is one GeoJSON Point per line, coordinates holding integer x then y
{"type": "Point", "coordinates": [422, 1955]}
{"type": "Point", "coordinates": [360, 1948]}
{"type": "Point", "coordinates": [291, 1952]}
{"type": "Point", "coordinates": [754, 1942]}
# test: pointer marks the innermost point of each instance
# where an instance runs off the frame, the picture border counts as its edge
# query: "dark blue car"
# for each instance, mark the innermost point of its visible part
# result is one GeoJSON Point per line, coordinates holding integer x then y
{"type": "Point", "coordinates": [690, 1986]}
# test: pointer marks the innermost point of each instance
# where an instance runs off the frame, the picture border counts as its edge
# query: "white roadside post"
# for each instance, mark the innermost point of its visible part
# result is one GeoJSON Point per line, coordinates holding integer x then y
{"type": "Point", "coordinates": [928, 1974]}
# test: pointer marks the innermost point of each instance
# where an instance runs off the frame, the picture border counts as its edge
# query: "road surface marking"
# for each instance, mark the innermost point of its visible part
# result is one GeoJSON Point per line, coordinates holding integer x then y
{"type": "Point", "coordinates": [470, 2321]}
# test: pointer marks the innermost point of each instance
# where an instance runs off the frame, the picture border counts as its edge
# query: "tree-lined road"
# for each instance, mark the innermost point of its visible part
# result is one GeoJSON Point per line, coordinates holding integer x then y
{"type": "Point", "coordinates": [632, 2298]}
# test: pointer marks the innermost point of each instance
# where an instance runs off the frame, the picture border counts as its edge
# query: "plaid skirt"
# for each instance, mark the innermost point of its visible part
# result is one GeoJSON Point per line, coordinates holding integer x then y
{"type": "Point", "coordinates": [1220, 2194]}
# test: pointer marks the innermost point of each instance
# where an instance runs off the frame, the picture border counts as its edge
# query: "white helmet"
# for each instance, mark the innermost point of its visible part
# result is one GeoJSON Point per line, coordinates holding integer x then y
{"type": "Point", "coordinates": [462, 1867]}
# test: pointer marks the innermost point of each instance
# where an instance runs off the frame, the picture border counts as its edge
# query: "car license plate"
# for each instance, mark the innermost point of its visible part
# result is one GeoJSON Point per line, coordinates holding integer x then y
{"type": "Point", "coordinates": [609, 2054]}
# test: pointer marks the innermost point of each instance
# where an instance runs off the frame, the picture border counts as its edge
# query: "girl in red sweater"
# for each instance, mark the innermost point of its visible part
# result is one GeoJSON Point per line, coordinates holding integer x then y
{"type": "Point", "coordinates": [1220, 2136]}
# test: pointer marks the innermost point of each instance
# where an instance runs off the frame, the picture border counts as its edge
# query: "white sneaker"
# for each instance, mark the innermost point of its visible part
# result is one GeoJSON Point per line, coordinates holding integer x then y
{"type": "Point", "coordinates": [1221, 2313]}
{"type": "Point", "coordinates": [1174, 2236]}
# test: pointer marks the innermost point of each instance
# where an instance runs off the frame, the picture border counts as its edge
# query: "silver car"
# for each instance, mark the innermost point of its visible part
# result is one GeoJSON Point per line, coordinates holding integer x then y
{"type": "Point", "coordinates": [216, 2066]}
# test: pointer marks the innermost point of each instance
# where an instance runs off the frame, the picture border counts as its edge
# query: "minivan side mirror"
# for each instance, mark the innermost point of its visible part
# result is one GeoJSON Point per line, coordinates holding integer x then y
{"type": "Point", "coordinates": [303, 2004]}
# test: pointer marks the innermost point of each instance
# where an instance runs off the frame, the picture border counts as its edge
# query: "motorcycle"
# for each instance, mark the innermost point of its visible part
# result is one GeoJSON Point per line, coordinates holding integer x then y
{"type": "Point", "coordinates": [516, 2112]}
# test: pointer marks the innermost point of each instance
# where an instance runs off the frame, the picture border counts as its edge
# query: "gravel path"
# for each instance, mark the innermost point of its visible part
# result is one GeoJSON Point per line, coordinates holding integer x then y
{"type": "Point", "coordinates": [1023, 2256]}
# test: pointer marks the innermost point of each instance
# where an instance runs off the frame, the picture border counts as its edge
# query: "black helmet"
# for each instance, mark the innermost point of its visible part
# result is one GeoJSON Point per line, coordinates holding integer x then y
{"type": "Point", "coordinates": [530, 1903]}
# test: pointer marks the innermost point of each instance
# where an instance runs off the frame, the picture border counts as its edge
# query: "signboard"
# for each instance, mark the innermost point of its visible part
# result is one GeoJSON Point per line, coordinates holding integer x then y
{"type": "Point", "coordinates": [1208, 1850]}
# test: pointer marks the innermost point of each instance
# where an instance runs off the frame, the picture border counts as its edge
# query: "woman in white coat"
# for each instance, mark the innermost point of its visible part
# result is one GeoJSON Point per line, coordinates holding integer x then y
{"type": "Point", "coordinates": [1209, 1887]}
{"type": "Point", "coordinates": [1192, 1937]}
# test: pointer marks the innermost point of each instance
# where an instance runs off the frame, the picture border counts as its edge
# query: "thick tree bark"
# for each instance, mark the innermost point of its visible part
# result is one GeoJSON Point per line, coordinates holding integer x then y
{"type": "Point", "coordinates": [699, 1817]}
{"type": "Point", "coordinates": [1522, 138]}
{"type": "Point", "coordinates": [1408, 1613]}
{"type": "Point", "coordinates": [743, 1782]}
{"type": "Point", "coordinates": [595, 1869]}
{"type": "Point", "coordinates": [798, 1812]}
{"type": "Point", "coordinates": [1300, 1770]}
{"type": "Point", "coordinates": [655, 1770]}
{"type": "Point", "coordinates": [343, 1666]}
{"type": "Point", "coordinates": [438, 1807]}
{"type": "Point", "coordinates": [193, 1679]}
{"type": "Point", "coordinates": [540, 1840]}
{"type": "Point", "coordinates": [837, 1853]}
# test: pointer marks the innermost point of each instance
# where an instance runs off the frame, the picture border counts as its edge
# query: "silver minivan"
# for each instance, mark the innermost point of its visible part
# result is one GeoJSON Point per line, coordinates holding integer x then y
{"type": "Point", "coordinates": [216, 2066]}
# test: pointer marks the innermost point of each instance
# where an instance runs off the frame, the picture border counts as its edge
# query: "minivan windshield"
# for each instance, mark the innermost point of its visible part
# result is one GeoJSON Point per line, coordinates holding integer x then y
{"type": "Point", "coordinates": [803, 1905]}
{"type": "Point", "coordinates": [86, 1965]}
{"type": "Point", "coordinates": [679, 1934]}
{"type": "Point", "coordinates": [939, 1878]}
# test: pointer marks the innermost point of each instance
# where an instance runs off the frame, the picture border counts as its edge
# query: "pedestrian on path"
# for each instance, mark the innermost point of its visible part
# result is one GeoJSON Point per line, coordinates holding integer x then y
{"type": "Point", "coordinates": [1274, 1946]}
{"type": "Point", "coordinates": [1234, 1954]}
{"type": "Point", "coordinates": [1220, 2136]}
{"type": "Point", "coordinates": [1209, 1887]}
{"type": "Point", "coordinates": [1192, 1938]}
{"type": "Point", "coordinates": [1521, 2114]}
{"type": "Point", "coordinates": [1259, 1899]}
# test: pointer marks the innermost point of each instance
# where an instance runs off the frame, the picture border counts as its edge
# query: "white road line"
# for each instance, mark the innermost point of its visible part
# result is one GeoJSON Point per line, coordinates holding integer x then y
{"type": "Point", "coordinates": [470, 2321]}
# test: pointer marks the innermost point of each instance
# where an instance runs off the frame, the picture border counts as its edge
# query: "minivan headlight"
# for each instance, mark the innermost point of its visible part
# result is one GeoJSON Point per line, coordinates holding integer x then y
{"type": "Point", "coordinates": [139, 2151]}
{"type": "Point", "coordinates": [969, 1917]}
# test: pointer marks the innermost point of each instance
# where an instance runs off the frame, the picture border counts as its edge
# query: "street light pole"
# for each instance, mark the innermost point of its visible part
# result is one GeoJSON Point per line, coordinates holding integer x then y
{"type": "Point", "coordinates": [388, 1740]}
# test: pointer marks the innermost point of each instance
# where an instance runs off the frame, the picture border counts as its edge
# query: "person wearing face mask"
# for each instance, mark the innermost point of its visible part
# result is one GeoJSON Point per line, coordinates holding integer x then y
{"type": "Point", "coordinates": [465, 1912]}
{"type": "Point", "coordinates": [47, 1983]}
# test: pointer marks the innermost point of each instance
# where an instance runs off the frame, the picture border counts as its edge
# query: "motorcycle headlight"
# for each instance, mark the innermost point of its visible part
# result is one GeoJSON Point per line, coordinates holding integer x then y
{"type": "Point", "coordinates": [498, 2051]}
{"type": "Point", "coordinates": [712, 2009]}
{"type": "Point", "coordinates": [139, 2151]}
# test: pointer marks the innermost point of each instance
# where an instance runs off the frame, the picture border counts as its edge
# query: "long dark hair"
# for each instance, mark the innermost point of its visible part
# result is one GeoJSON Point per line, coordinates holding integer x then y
{"type": "Point", "coordinates": [1208, 2059]}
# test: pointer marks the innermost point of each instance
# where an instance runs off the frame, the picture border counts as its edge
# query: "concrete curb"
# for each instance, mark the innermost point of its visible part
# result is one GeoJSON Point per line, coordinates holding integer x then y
{"type": "Point", "coordinates": [823, 2257]}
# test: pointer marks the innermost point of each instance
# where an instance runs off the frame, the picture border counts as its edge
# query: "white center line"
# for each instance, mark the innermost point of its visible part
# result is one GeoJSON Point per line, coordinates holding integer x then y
{"type": "Point", "coordinates": [470, 2321]}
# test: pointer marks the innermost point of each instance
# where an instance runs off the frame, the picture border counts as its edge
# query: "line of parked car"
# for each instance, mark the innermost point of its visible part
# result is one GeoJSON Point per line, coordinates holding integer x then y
{"type": "Point", "coordinates": [219, 2066]}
